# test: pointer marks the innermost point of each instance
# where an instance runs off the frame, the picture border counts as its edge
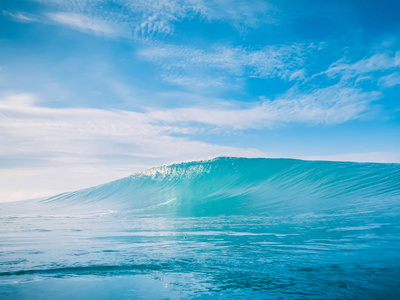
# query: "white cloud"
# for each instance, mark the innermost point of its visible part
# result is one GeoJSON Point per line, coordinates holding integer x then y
{"type": "Point", "coordinates": [20, 16]}
{"type": "Point", "coordinates": [390, 80]}
{"type": "Point", "coordinates": [237, 12]}
{"type": "Point", "coordinates": [17, 100]}
{"type": "Point", "coordinates": [218, 62]}
{"type": "Point", "coordinates": [86, 24]}
{"type": "Point", "coordinates": [377, 62]}
{"type": "Point", "coordinates": [270, 61]}
{"type": "Point", "coordinates": [299, 74]}
{"type": "Point", "coordinates": [77, 21]}
{"type": "Point", "coordinates": [333, 105]}
{"type": "Point", "coordinates": [149, 17]}
{"type": "Point", "coordinates": [193, 82]}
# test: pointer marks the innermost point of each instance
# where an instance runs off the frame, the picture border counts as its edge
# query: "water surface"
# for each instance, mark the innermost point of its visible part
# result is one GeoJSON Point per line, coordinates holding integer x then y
{"type": "Point", "coordinates": [225, 228]}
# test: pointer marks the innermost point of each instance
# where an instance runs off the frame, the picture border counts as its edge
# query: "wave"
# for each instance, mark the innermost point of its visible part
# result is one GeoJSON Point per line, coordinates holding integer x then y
{"type": "Point", "coordinates": [255, 227]}
{"type": "Point", "coordinates": [228, 185]}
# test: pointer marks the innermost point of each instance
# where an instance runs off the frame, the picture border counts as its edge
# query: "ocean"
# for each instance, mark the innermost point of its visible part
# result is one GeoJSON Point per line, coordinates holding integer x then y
{"type": "Point", "coordinates": [226, 228]}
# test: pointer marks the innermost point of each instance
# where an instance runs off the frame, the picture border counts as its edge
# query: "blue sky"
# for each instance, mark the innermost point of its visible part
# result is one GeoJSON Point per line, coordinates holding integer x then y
{"type": "Point", "coordinates": [91, 91]}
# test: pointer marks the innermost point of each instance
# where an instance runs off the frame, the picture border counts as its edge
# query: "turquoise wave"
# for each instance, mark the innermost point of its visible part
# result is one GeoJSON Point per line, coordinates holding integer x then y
{"type": "Point", "coordinates": [225, 228]}
{"type": "Point", "coordinates": [228, 185]}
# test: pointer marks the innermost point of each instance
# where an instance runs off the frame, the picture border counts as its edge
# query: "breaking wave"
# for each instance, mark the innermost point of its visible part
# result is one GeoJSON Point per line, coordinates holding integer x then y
{"type": "Point", "coordinates": [240, 185]}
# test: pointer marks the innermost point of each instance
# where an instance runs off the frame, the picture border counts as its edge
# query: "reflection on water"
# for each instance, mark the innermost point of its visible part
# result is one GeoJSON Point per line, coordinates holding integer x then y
{"type": "Point", "coordinates": [119, 254]}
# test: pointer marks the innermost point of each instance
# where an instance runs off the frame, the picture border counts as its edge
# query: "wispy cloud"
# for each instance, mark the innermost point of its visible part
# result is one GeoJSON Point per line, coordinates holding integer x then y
{"type": "Point", "coordinates": [390, 80]}
{"type": "Point", "coordinates": [150, 17]}
{"type": "Point", "coordinates": [332, 105]}
{"type": "Point", "coordinates": [378, 62]}
{"type": "Point", "coordinates": [77, 21]}
{"type": "Point", "coordinates": [198, 82]}
{"type": "Point", "coordinates": [20, 16]}
{"type": "Point", "coordinates": [86, 24]}
{"type": "Point", "coordinates": [237, 12]}
{"type": "Point", "coordinates": [271, 61]}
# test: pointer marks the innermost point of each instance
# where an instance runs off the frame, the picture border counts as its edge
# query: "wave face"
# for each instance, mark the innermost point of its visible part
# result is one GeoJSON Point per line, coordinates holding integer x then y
{"type": "Point", "coordinates": [223, 228]}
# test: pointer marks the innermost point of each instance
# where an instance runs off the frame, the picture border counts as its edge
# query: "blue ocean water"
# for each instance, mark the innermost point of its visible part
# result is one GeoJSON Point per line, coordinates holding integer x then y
{"type": "Point", "coordinates": [225, 228]}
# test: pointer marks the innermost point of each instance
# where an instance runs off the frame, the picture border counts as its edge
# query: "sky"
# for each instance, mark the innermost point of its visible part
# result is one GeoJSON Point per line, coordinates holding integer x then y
{"type": "Point", "coordinates": [95, 90]}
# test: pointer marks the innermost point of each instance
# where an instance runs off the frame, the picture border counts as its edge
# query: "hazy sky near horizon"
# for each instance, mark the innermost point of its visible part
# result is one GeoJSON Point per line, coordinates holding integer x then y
{"type": "Point", "coordinates": [94, 90]}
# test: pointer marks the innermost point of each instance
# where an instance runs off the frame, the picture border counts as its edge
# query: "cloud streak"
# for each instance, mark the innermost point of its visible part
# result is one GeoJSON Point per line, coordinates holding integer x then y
{"type": "Point", "coordinates": [375, 63]}
{"type": "Point", "coordinates": [332, 105]}
{"type": "Point", "coordinates": [20, 16]}
{"type": "Point", "coordinates": [390, 80]}
{"type": "Point", "coordinates": [87, 131]}
{"type": "Point", "coordinates": [86, 24]}
{"type": "Point", "coordinates": [200, 65]}
{"type": "Point", "coordinates": [145, 18]}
